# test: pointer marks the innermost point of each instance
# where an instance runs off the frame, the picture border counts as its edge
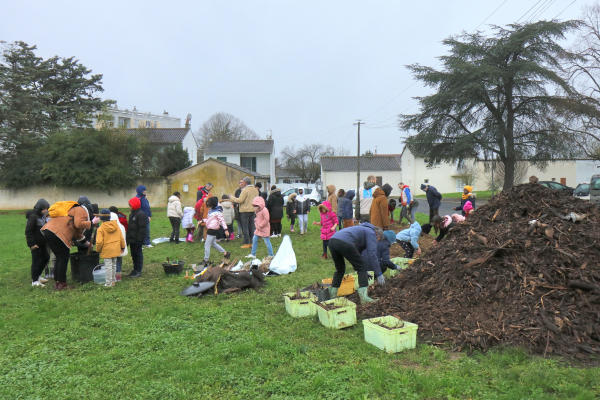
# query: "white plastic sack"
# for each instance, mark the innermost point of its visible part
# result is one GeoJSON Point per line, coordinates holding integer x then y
{"type": "Point", "coordinates": [160, 240]}
{"type": "Point", "coordinates": [239, 266]}
{"type": "Point", "coordinates": [285, 259]}
{"type": "Point", "coordinates": [575, 217]}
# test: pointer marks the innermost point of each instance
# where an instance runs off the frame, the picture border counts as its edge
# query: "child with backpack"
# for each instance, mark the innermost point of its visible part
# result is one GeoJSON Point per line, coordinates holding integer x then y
{"type": "Point", "coordinates": [329, 222]}
{"type": "Point", "coordinates": [122, 220]}
{"type": "Point", "coordinates": [213, 221]}
{"type": "Point", "coordinates": [188, 223]}
{"type": "Point", "coordinates": [110, 243]}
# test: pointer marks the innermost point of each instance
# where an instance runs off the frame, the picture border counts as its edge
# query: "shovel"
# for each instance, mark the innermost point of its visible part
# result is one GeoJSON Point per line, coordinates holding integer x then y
{"type": "Point", "coordinates": [92, 242]}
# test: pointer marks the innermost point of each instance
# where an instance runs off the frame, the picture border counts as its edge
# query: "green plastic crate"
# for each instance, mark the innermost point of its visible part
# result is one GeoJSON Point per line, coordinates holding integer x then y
{"type": "Point", "coordinates": [371, 279]}
{"type": "Point", "coordinates": [304, 307]}
{"type": "Point", "coordinates": [391, 340]}
{"type": "Point", "coordinates": [401, 262]}
{"type": "Point", "coordinates": [339, 318]}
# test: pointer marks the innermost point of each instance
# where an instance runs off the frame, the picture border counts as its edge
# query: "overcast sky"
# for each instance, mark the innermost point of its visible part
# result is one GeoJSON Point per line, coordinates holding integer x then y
{"type": "Point", "coordinates": [305, 69]}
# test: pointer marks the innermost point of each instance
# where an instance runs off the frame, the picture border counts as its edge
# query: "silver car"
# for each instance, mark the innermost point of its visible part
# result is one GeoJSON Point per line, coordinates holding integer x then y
{"type": "Point", "coordinates": [311, 192]}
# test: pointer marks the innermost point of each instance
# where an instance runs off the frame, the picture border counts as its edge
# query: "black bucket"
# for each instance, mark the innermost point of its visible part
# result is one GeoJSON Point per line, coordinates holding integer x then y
{"type": "Point", "coordinates": [322, 293]}
{"type": "Point", "coordinates": [173, 268]}
{"type": "Point", "coordinates": [82, 265]}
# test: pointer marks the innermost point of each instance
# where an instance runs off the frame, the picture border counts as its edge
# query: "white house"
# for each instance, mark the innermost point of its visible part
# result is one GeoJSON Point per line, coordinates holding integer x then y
{"type": "Point", "coordinates": [138, 119]}
{"type": "Point", "coordinates": [446, 177]}
{"type": "Point", "coordinates": [341, 171]}
{"type": "Point", "coordinates": [168, 136]}
{"type": "Point", "coordinates": [256, 155]}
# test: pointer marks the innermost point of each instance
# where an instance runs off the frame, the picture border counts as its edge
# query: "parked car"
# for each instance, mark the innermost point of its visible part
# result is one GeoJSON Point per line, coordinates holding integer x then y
{"type": "Point", "coordinates": [311, 192]}
{"type": "Point", "coordinates": [595, 189]}
{"type": "Point", "coordinates": [582, 191]}
{"type": "Point", "coordinates": [557, 186]}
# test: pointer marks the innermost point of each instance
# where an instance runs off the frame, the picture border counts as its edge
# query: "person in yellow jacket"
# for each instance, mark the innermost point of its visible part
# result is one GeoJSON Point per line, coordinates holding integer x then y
{"type": "Point", "coordinates": [110, 243]}
{"type": "Point", "coordinates": [246, 210]}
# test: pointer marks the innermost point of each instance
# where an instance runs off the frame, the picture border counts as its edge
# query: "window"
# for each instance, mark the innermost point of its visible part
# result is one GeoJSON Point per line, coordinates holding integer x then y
{"type": "Point", "coordinates": [582, 190]}
{"type": "Point", "coordinates": [426, 180]}
{"type": "Point", "coordinates": [379, 181]}
{"type": "Point", "coordinates": [307, 191]}
{"type": "Point", "coordinates": [147, 124]}
{"type": "Point", "coordinates": [248, 162]}
{"type": "Point", "coordinates": [186, 188]}
{"type": "Point", "coordinates": [553, 179]}
{"type": "Point", "coordinates": [136, 123]}
{"type": "Point", "coordinates": [595, 184]}
{"type": "Point", "coordinates": [155, 124]}
{"type": "Point", "coordinates": [124, 122]}
{"type": "Point", "coordinates": [222, 159]}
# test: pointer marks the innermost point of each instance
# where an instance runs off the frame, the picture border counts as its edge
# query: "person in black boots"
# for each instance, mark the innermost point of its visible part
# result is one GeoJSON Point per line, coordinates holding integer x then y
{"type": "Point", "coordinates": [37, 242]}
{"type": "Point", "coordinates": [136, 234]}
{"type": "Point", "coordinates": [275, 207]}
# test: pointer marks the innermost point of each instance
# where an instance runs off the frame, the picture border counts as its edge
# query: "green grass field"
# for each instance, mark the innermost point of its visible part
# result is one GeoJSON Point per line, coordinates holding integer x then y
{"type": "Point", "coordinates": [142, 340]}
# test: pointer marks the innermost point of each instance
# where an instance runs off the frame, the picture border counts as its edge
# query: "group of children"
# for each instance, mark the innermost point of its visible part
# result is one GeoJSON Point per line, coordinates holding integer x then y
{"type": "Point", "coordinates": [113, 235]}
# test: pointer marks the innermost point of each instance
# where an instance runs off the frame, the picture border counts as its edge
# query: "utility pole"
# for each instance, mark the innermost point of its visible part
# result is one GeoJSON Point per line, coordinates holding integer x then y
{"type": "Point", "coordinates": [492, 177]}
{"type": "Point", "coordinates": [357, 213]}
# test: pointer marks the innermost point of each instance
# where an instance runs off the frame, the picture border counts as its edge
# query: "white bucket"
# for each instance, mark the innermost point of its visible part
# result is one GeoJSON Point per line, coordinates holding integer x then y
{"type": "Point", "coordinates": [99, 274]}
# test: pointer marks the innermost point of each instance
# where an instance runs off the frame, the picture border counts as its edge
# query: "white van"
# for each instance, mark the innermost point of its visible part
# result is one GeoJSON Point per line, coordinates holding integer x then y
{"type": "Point", "coordinates": [595, 189]}
{"type": "Point", "coordinates": [311, 192]}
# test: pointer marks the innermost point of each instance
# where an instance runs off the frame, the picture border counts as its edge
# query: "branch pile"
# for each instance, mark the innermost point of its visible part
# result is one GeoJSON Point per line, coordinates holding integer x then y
{"type": "Point", "coordinates": [523, 269]}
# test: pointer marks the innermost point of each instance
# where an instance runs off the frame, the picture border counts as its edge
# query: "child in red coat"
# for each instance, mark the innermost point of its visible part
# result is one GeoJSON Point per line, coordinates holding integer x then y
{"type": "Point", "coordinates": [329, 222]}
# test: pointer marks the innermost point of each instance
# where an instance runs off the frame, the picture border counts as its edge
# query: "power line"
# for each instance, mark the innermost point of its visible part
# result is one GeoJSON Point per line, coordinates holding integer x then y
{"type": "Point", "coordinates": [490, 15]}
{"type": "Point", "coordinates": [522, 16]}
{"type": "Point", "coordinates": [565, 9]}
{"type": "Point", "coordinates": [537, 10]}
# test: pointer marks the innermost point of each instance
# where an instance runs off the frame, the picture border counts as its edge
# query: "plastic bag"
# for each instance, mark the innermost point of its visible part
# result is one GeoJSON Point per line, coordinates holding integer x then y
{"type": "Point", "coordinates": [160, 240]}
{"type": "Point", "coordinates": [238, 267]}
{"type": "Point", "coordinates": [285, 259]}
{"type": "Point", "coordinates": [575, 217]}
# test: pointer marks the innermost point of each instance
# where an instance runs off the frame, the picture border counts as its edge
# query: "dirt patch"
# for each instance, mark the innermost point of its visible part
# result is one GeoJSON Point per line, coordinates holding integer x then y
{"type": "Point", "coordinates": [500, 278]}
{"type": "Point", "coordinates": [396, 251]}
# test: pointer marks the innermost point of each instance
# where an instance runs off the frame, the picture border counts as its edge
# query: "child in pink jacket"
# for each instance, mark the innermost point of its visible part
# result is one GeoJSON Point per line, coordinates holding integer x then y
{"type": "Point", "coordinates": [329, 222]}
{"type": "Point", "coordinates": [213, 221]}
{"type": "Point", "coordinates": [262, 225]}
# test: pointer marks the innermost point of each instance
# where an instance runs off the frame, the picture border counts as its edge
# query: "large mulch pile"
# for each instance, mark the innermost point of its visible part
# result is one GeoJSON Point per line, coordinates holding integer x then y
{"type": "Point", "coordinates": [500, 278]}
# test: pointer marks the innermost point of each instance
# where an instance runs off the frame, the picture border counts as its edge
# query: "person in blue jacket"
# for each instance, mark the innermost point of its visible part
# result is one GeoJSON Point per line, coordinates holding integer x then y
{"type": "Point", "coordinates": [408, 239]}
{"type": "Point", "coordinates": [348, 244]}
{"type": "Point", "coordinates": [141, 194]}
{"type": "Point", "coordinates": [383, 252]}
{"type": "Point", "coordinates": [347, 211]}
{"type": "Point", "coordinates": [434, 198]}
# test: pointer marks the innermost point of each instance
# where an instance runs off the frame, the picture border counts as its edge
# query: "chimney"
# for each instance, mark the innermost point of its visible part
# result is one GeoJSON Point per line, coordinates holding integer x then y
{"type": "Point", "coordinates": [134, 109]}
{"type": "Point", "coordinates": [187, 123]}
{"type": "Point", "coordinates": [165, 113]}
{"type": "Point", "coordinates": [375, 150]}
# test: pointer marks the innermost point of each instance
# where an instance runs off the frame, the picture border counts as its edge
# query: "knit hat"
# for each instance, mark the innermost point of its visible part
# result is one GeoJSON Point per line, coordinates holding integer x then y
{"type": "Point", "coordinates": [135, 203]}
{"type": "Point", "coordinates": [468, 207]}
{"type": "Point", "coordinates": [105, 214]}
{"type": "Point", "coordinates": [390, 236]}
{"type": "Point", "coordinates": [426, 228]}
{"type": "Point", "coordinates": [83, 200]}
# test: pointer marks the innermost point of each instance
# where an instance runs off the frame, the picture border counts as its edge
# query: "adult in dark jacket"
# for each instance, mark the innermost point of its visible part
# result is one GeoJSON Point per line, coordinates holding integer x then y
{"type": "Point", "coordinates": [136, 236]}
{"type": "Point", "coordinates": [275, 207]}
{"type": "Point", "coordinates": [236, 209]}
{"type": "Point", "coordinates": [145, 207]}
{"type": "Point", "coordinates": [348, 244]}
{"type": "Point", "coordinates": [36, 241]}
{"type": "Point", "coordinates": [468, 195]}
{"type": "Point", "coordinates": [443, 226]}
{"type": "Point", "coordinates": [347, 211]}
{"type": "Point", "coordinates": [434, 198]}
{"type": "Point", "coordinates": [383, 252]}
{"type": "Point", "coordinates": [290, 210]}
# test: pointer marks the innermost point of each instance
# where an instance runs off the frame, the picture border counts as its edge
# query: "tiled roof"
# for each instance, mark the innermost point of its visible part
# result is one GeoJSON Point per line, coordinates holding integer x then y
{"type": "Point", "coordinates": [239, 146]}
{"type": "Point", "coordinates": [161, 135]}
{"type": "Point", "coordinates": [244, 170]}
{"type": "Point", "coordinates": [367, 163]}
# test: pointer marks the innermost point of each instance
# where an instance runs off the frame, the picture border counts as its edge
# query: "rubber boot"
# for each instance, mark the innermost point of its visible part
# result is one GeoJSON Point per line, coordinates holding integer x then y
{"type": "Point", "coordinates": [364, 297]}
{"type": "Point", "coordinates": [323, 257]}
{"type": "Point", "coordinates": [292, 228]}
{"type": "Point", "coordinates": [332, 292]}
{"type": "Point", "coordinates": [62, 285]}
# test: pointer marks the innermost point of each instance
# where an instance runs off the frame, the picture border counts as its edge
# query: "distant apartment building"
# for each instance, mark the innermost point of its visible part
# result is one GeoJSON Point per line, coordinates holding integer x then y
{"type": "Point", "coordinates": [132, 119]}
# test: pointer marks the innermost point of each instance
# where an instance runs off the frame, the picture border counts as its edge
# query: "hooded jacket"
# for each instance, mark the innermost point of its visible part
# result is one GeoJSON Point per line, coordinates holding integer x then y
{"type": "Point", "coordinates": [291, 206]}
{"type": "Point", "coordinates": [406, 196]}
{"type": "Point", "coordinates": [328, 220]}
{"type": "Point", "coordinates": [379, 210]}
{"type": "Point", "coordinates": [365, 197]}
{"type": "Point", "coordinates": [340, 202]}
{"type": "Point", "coordinates": [71, 227]}
{"type": "Point", "coordinates": [188, 218]}
{"type": "Point", "coordinates": [471, 197]}
{"type": "Point", "coordinates": [447, 225]}
{"type": "Point", "coordinates": [202, 211]}
{"type": "Point", "coordinates": [411, 235]}
{"type": "Point", "coordinates": [434, 198]}
{"type": "Point", "coordinates": [302, 205]}
{"type": "Point", "coordinates": [109, 240]}
{"type": "Point", "coordinates": [247, 196]}
{"type": "Point", "coordinates": [346, 206]}
{"type": "Point", "coordinates": [332, 198]}
{"type": "Point", "coordinates": [261, 222]}
{"type": "Point", "coordinates": [228, 212]}
{"type": "Point", "coordinates": [275, 204]}
{"type": "Point", "coordinates": [115, 217]}
{"type": "Point", "coordinates": [174, 208]}
{"type": "Point", "coordinates": [35, 222]}
{"type": "Point", "coordinates": [362, 237]}
{"type": "Point", "coordinates": [214, 219]}
{"type": "Point", "coordinates": [145, 204]}
{"type": "Point", "coordinates": [138, 221]}
{"type": "Point", "coordinates": [383, 252]}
